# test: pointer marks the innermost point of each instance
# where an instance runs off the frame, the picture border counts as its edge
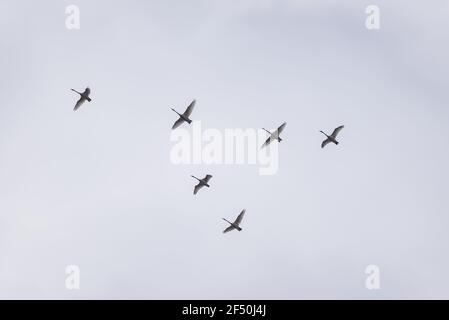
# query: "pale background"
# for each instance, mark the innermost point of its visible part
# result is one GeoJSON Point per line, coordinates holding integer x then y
{"type": "Point", "coordinates": [96, 188]}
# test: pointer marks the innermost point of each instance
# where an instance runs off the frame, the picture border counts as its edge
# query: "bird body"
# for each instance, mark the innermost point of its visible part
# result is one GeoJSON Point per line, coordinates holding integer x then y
{"type": "Point", "coordinates": [202, 182]}
{"type": "Point", "coordinates": [274, 135]}
{"type": "Point", "coordinates": [184, 117]}
{"type": "Point", "coordinates": [83, 97]}
{"type": "Point", "coordinates": [332, 138]}
{"type": "Point", "coordinates": [236, 223]}
{"type": "Point", "coordinates": [233, 226]}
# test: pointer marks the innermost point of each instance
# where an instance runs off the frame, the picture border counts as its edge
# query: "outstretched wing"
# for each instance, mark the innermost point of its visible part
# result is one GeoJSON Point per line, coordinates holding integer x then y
{"type": "Point", "coordinates": [197, 187]}
{"type": "Point", "coordinates": [177, 123]}
{"type": "Point", "coordinates": [336, 131]}
{"type": "Point", "coordinates": [79, 103]}
{"type": "Point", "coordinates": [230, 228]}
{"type": "Point", "coordinates": [281, 128]}
{"type": "Point", "coordinates": [325, 142]}
{"type": "Point", "coordinates": [207, 178]}
{"type": "Point", "coordinates": [267, 142]}
{"type": "Point", "coordinates": [189, 109]}
{"type": "Point", "coordinates": [240, 217]}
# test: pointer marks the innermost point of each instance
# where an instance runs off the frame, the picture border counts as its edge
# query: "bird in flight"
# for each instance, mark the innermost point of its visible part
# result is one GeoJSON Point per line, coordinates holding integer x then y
{"type": "Point", "coordinates": [202, 183]}
{"type": "Point", "coordinates": [83, 97]}
{"type": "Point", "coordinates": [185, 116]}
{"type": "Point", "coordinates": [274, 135]}
{"type": "Point", "coordinates": [236, 223]}
{"type": "Point", "coordinates": [332, 138]}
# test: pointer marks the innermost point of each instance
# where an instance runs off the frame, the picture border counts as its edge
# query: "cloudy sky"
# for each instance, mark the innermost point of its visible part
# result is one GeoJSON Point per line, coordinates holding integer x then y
{"type": "Point", "coordinates": [96, 188]}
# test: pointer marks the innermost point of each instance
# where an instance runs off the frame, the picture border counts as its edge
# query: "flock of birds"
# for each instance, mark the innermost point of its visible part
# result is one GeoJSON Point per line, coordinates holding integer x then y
{"type": "Point", "coordinates": [184, 117]}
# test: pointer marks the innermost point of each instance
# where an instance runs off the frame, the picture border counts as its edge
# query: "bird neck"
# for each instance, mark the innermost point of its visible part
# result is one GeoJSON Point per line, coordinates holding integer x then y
{"type": "Point", "coordinates": [266, 130]}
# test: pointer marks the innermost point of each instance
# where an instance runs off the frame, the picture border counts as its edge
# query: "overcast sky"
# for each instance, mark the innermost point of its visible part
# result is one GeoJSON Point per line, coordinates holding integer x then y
{"type": "Point", "coordinates": [96, 188]}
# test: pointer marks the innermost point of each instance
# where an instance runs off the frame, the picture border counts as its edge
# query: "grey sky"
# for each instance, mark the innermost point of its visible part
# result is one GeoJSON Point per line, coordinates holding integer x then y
{"type": "Point", "coordinates": [96, 188]}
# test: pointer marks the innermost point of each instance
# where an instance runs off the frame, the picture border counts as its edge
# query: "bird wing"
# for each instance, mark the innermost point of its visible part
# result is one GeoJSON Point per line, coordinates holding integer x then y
{"type": "Point", "coordinates": [230, 228]}
{"type": "Point", "coordinates": [325, 142]}
{"type": "Point", "coordinates": [267, 142]}
{"type": "Point", "coordinates": [336, 131]}
{"type": "Point", "coordinates": [207, 178]}
{"type": "Point", "coordinates": [281, 128]}
{"type": "Point", "coordinates": [79, 103]}
{"type": "Point", "coordinates": [197, 187]}
{"type": "Point", "coordinates": [177, 123]}
{"type": "Point", "coordinates": [239, 218]}
{"type": "Point", "coordinates": [87, 91]}
{"type": "Point", "coordinates": [189, 109]}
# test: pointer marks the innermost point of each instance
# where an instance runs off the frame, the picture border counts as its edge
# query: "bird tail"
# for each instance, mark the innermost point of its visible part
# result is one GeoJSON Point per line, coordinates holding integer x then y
{"type": "Point", "coordinates": [279, 139]}
{"type": "Point", "coordinates": [88, 99]}
{"type": "Point", "coordinates": [336, 142]}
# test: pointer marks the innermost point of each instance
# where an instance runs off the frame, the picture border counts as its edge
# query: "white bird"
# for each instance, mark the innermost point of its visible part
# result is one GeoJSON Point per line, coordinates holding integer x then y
{"type": "Point", "coordinates": [185, 116]}
{"type": "Point", "coordinates": [332, 138]}
{"type": "Point", "coordinates": [274, 135]}
{"type": "Point", "coordinates": [236, 223]}
{"type": "Point", "coordinates": [84, 97]}
{"type": "Point", "coordinates": [202, 183]}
